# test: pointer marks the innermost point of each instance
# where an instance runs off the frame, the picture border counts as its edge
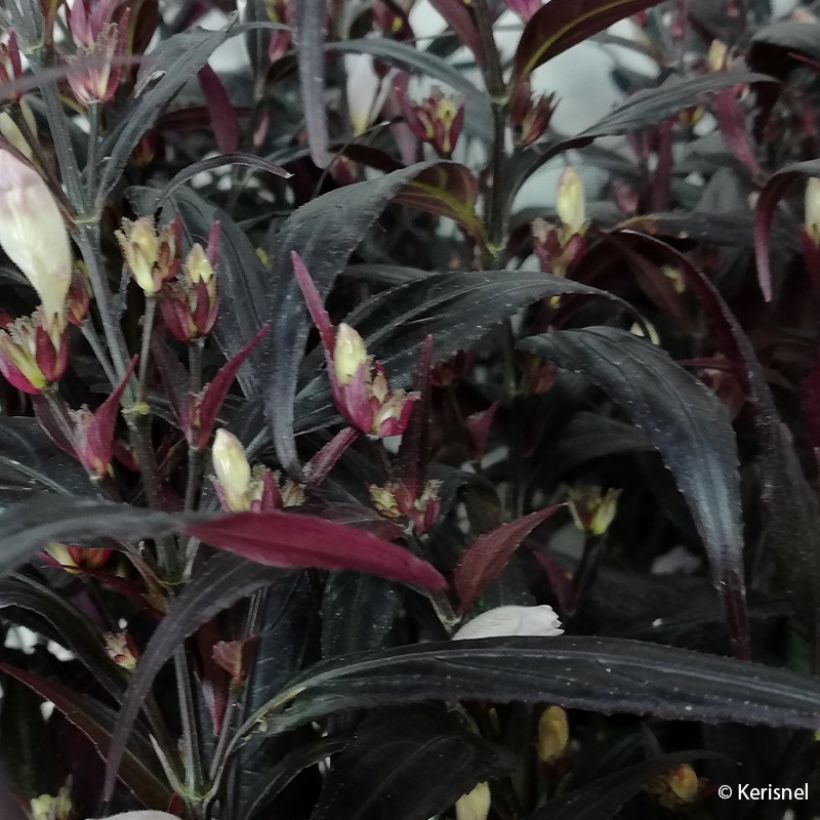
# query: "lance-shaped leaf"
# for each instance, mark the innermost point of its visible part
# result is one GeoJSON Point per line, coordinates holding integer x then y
{"type": "Point", "coordinates": [776, 48]}
{"type": "Point", "coordinates": [282, 539]}
{"type": "Point", "coordinates": [310, 32]}
{"type": "Point", "coordinates": [199, 415]}
{"type": "Point", "coordinates": [773, 191]}
{"type": "Point", "coordinates": [486, 558]}
{"type": "Point", "coordinates": [691, 429]}
{"type": "Point", "coordinates": [561, 24]}
{"type": "Point", "coordinates": [457, 16]}
{"type": "Point", "coordinates": [220, 110]}
{"type": "Point", "coordinates": [96, 722]}
{"type": "Point", "coordinates": [608, 676]}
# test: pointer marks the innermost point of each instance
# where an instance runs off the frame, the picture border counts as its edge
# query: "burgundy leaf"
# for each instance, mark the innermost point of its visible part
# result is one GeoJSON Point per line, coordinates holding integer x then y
{"type": "Point", "coordinates": [478, 426]}
{"type": "Point", "coordinates": [561, 24]}
{"type": "Point", "coordinates": [483, 562]}
{"type": "Point", "coordinates": [315, 305]}
{"type": "Point", "coordinates": [323, 462]}
{"type": "Point", "coordinates": [458, 18]}
{"type": "Point", "coordinates": [287, 540]}
{"type": "Point", "coordinates": [202, 414]}
{"type": "Point", "coordinates": [220, 109]}
{"type": "Point", "coordinates": [773, 191]}
{"type": "Point", "coordinates": [732, 122]}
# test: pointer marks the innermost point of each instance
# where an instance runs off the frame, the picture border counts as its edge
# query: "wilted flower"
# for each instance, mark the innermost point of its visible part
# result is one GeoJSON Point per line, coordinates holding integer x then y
{"type": "Point", "coordinates": [51, 807]}
{"type": "Point", "coordinates": [475, 804]}
{"type": "Point", "coordinates": [592, 508]}
{"type": "Point", "coordinates": [679, 786]}
{"type": "Point", "coordinates": [360, 388]}
{"type": "Point", "coordinates": [151, 257]}
{"type": "Point", "coordinates": [553, 735]}
{"type": "Point", "coordinates": [436, 120]}
{"type": "Point", "coordinates": [28, 215]}
{"type": "Point", "coordinates": [190, 302]}
{"type": "Point", "coordinates": [32, 354]}
{"type": "Point", "coordinates": [396, 501]}
{"type": "Point", "coordinates": [76, 560]}
{"type": "Point", "coordinates": [120, 647]}
{"type": "Point", "coordinates": [506, 621]}
{"type": "Point", "coordinates": [95, 71]}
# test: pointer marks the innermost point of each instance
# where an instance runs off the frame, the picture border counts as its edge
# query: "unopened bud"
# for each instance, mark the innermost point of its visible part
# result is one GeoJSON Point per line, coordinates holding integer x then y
{"type": "Point", "coordinates": [233, 472]}
{"type": "Point", "coordinates": [74, 560]}
{"type": "Point", "coordinates": [475, 804]}
{"type": "Point", "coordinates": [593, 508]}
{"type": "Point", "coordinates": [139, 244]}
{"type": "Point", "coordinates": [120, 647]}
{"type": "Point", "coordinates": [33, 234]}
{"type": "Point", "coordinates": [349, 354]}
{"type": "Point", "coordinates": [52, 807]}
{"type": "Point", "coordinates": [679, 786]}
{"type": "Point", "coordinates": [553, 734]}
{"type": "Point", "coordinates": [571, 203]}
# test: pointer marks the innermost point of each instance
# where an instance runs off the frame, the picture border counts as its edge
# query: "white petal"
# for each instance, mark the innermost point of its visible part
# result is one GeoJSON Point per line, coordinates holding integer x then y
{"type": "Point", "coordinates": [512, 620]}
{"type": "Point", "coordinates": [141, 815]}
{"type": "Point", "coordinates": [366, 91]}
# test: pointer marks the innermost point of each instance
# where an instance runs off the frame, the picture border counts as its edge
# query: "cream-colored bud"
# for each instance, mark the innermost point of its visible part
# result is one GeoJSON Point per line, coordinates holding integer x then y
{"type": "Point", "coordinates": [33, 233]}
{"type": "Point", "coordinates": [812, 213]}
{"type": "Point", "coordinates": [593, 508]}
{"type": "Point", "coordinates": [349, 353]}
{"type": "Point", "coordinates": [197, 265]}
{"type": "Point", "coordinates": [51, 807]}
{"type": "Point", "coordinates": [232, 471]}
{"type": "Point", "coordinates": [553, 734]}
{"type": "Point", "coordinates": [140, 248]}
{"type": "Point", "coordinates": [475, 805]}
{"type": "Point", "coordinates": [571, 203]}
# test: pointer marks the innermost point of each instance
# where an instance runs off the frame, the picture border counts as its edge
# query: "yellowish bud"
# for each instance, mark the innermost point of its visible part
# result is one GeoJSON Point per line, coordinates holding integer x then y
{"type": "Point", "coordinates": [716, 57]}
{"type": "Point", "coordinates": [384, 500]}
{"type": "Point", "coordinates": [232, 471]}
{"type": "Point", "coordinates": [553, 734]}
{"type": "Point", "coordinates": [140, 248]}
{"type": "Point", "coordinates": [571, 203]}
{"type": "Point", "coordinates": [197, 265]}
{"type": "Point", "coordinates": [121, 650]}
{"type": "Point", "coordinates": [592, 508]}
{"type": "Point", "coordinates": [349, 353]}
{"type": "Point", "coordinates": [475, 805]}
{"type": "Point", "coordinates": [51, 807]}
{"type": "Point", "coordinates": [676, 787]}
{"type": "Point", "coordinates": [675, 276]}
{"type": "Point", "coordinates": [33, 234]}
{"type": "Point", "coordinates": [812, 214]}
{"type": "Point", "coordinates": [61, 554]}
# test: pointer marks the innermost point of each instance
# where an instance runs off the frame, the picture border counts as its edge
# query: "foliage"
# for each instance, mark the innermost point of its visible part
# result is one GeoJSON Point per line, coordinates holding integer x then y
{"type": "Point", "coordinates": [335, 482]}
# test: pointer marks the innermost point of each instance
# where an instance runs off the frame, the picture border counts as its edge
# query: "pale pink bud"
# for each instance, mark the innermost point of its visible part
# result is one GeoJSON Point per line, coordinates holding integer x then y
{"type": "Point", "coordinates": [33, 234]}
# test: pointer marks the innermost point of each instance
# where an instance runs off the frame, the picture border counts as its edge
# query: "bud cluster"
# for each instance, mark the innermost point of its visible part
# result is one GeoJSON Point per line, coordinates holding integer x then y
{"type": "Point", "coordinates": [436, 120]}
{"type": "Point", "coordinates": [396, 502]}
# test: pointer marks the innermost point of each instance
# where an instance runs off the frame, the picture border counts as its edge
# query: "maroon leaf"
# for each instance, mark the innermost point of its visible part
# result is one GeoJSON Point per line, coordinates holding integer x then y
{"type": "Point", "coordinates": [459, 20]}
{"type": "Point", "coordinates": [483, 562]}
{"type": "Point", "coordinates": [478, 426]}
{"type": "Point", "coordinates": [96, 722]}
{"type": "Point", "coordinates": [562, 24]}
{"type": "Point", "coordinates": [201, 414]}
{"type": "Point", "coordinates": [732, 122]}
{"type": "Point", "coordinates": [323, 462]}
{"type": "Point", "coordinates": [220, 110]}
{"type": "Point", "coordinates": [280, 539]}
{"type": "Point", "coordinates": [773, 191]}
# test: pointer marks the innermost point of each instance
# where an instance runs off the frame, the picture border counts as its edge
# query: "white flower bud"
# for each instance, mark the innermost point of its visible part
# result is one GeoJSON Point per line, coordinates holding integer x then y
{"type": "Point", "coordinates": [232, 470]}
{"type": "Point", "coordinates": [512, 621]}
{"type": "Point", "coordinates": [349, 353]}
{"type": "Point", "coordinates": [475, 805]}
{"type": "Point", "coordinates": [33, 234]}
{"type": "Point", "coordinates": [571, 203]}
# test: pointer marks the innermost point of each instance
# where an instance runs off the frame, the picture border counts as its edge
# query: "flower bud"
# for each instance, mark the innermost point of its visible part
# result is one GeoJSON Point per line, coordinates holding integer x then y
{"type": "Point", "coordinates": [95, 73]}
{"type": "Point", "coordinates": [437, 120]}
{"type": "Point", "coordinates": [592, 508]}
{"type": "Point", "coordinates": [33, 355]}
{"type": "Point", "coordinates": [349, 354]}
{"type": "Point", "coordinates": [679, 786]}
{"type": "Point", "coordinates": [33, 234]}
{"type": "Point", "coordinates": [279, 11]}
{"type": "Point", "coordinates": [504, 621]}
{"type": "Point", "coordinates": [50, 807]}
{"type": "Point", "coordinates": [75, 560]}
{"type": "Point", "coordinates": [12, 133]}
{"type": "Point", "coordinates": [812, 210]}
{"type": "Point", "coordinates": [233, 472]}
{"type": "Point", "coordinates": [475, 804]}
{"type": "Point", "coordinates": [149, 256]}
{"type": "Point", "coordinates": [120, 647]}
{"type": "Point", "coordinates": [79, 297]}
{"type": "Point", "coordinates": [571, 203]}
{"type": "Point", "coordinates": [553, 735]}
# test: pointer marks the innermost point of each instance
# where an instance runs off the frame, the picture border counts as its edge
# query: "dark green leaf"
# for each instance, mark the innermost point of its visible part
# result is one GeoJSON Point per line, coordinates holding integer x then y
{"type": "Point", "coordinates": [608, 676]}
{"type": "Point", "coordinates": [689, 426]}
{"type": "Point", "coordinates": [310, 17]}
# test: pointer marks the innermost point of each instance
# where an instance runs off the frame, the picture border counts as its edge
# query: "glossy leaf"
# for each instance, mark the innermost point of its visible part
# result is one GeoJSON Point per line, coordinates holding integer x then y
{"type": "Point", "coordinates": [96, 722]}
{"type": "Point", "coordinates": [773, 191]}
{"type": "Point", "coordinates": [561, 24]}
{"type": "Point", "coordinates": [609, 676]}
{"type": "Point", "coordinates": [379, 774]}
{"type": "Point", "coordinates": [691, 429]}
{"type": "Point", "coordinates": [485, 559]}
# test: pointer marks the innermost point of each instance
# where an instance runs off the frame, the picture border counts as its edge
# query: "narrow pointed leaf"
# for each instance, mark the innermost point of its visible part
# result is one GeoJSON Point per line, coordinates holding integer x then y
{"type": "Point", "coordinates": [220, 110]}
{"type": "Point", "coordinates": [609, 676]}
{"type": "Point", "coordinates": [691, 429]}
{"type": "Point", "coordinates": [310, 34]}
{"type": "Point", "coordinates": [486, 558]}
{"type": "Point", "coordinates": [457, 17]}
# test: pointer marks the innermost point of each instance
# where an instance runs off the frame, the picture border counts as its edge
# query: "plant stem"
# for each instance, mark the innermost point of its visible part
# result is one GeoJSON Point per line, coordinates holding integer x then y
{"type": "Point", "coordinates": [145, 350]}
{"type": "Point", "coordinates": [191, 750]}
{"type": "Point", "coordinates": [94, 112]}
{"type": "Point", "coordinates": [95, 343]}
